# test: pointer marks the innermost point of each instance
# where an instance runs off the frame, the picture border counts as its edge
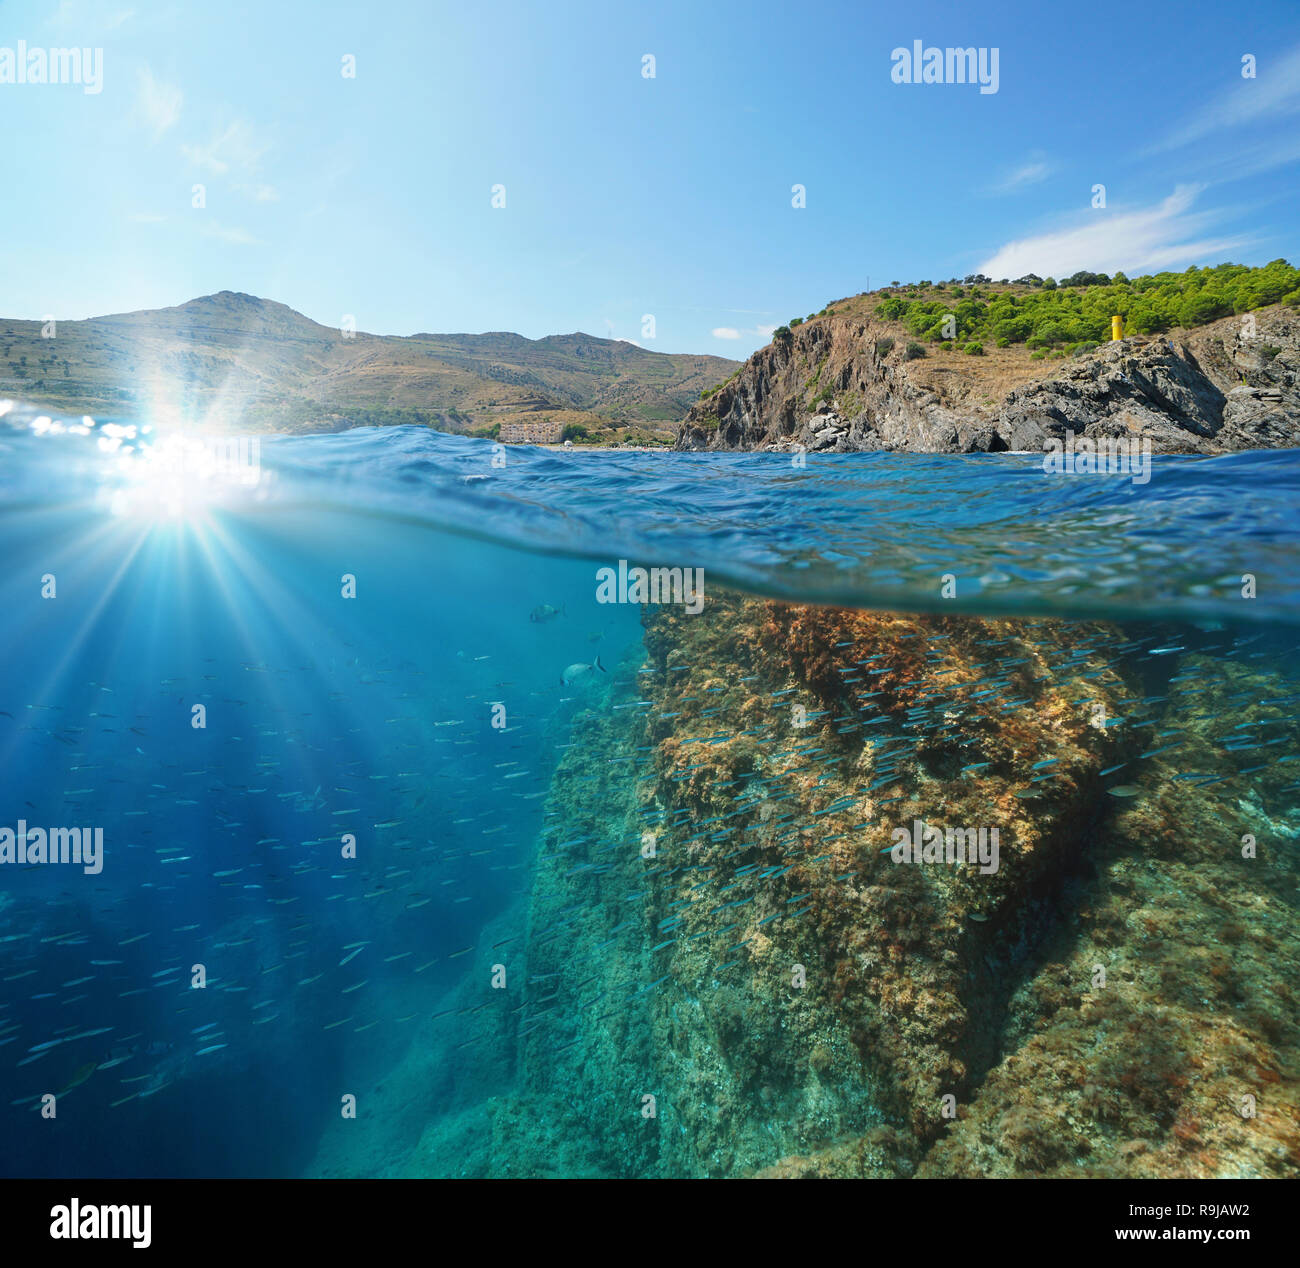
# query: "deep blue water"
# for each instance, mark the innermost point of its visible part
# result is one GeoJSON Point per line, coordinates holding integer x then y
{"type": "Point", "coordinates": [373, 716]}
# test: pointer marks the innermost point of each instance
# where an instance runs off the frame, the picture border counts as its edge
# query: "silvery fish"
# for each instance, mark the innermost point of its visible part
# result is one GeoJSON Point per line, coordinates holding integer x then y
{"type": "Point", "coordinates": [576, 673]}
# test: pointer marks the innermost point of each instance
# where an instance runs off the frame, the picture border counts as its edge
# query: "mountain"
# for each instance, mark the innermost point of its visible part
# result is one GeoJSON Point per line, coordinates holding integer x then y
{"type": "Point", "coordinates": [253, 364]}
{"type": "Point", "coordinates": [851, 378]}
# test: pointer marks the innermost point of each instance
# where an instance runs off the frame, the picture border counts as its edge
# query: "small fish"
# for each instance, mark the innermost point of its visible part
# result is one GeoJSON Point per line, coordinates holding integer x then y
{"type": "Point", "coordinates": [1152, 752]}
{"type": "Point", "coordinates": [1125, 790]}
{"type": "Point", "coordinates": [83, 1073]}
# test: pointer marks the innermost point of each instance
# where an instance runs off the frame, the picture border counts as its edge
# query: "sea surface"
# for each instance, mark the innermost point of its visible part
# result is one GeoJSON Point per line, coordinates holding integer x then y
{"type": "Point", "coordinates": [371, 764]}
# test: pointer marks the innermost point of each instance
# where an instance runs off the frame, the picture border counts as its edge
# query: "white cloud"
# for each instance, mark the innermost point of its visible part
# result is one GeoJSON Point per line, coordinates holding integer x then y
{"type": "Point", "coordinates": [237, 237]}
{"type": "Point", "coordinates": [1156, 237]}
{"type": "Point", "coordinates": [237, 146]}
{"type": "Point", "coordinates": [1239, 161]}
{"type": "Point", "coordinates": [1035, 169]}
{"type": "Point", "coordinates": [260, 193]}
{"type": "Point", "coordinates": [765, 331]}
{"type": "Point", "coordinates": [158, 104]}
{"type": "Point", "coordinates": [89, 17]}
{"type": "Point", "coordinates": [726, 332]}
{"type": "Point", "coordinates": [1273, 94]}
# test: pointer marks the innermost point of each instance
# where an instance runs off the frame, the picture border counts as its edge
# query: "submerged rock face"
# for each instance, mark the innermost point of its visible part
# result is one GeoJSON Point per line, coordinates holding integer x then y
{"type": "Point", "coordinates": [720, 968]}
{"type": "Point", "coordinates": [840, 384]}
{"type": "Point", "coordinates": [796, 1002]}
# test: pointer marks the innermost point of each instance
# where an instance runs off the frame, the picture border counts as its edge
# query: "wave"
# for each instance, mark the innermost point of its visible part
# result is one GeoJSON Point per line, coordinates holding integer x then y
{"type": "Point", "coordinates": [1204, 538]}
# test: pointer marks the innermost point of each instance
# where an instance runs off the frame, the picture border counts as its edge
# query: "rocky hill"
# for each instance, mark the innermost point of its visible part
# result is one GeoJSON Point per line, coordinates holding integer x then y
{"type": "Point", "coordinates": [852, 380]}
{"type": "Point", "coordinates": [232, 356]}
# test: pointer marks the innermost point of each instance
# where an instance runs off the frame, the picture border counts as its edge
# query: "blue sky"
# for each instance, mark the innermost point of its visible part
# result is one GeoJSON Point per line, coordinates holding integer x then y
{"type": "Point", "coordinates": [626, 195]}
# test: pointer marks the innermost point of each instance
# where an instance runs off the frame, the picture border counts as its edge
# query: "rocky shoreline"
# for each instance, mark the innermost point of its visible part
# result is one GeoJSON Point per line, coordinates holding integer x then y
{"type": "Point", "coordinates": [842, 384]}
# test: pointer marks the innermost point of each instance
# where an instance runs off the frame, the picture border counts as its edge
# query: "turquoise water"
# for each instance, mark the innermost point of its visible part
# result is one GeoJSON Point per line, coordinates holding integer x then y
{"type": "Point", "coordinates": [378, 634]}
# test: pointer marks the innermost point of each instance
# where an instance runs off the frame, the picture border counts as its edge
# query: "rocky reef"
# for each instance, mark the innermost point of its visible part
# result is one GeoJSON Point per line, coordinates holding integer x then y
{"type": "Point", "coordinates": [723, 967]}
{"type": "Point", "coordinates": [845, 383]}
{"type": "Point", "coordinates": [1099, 1005]}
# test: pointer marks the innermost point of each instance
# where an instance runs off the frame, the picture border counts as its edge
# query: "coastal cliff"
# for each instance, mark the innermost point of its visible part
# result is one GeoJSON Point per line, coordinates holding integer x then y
{"type": "Point", "coordinates": [842, 383]}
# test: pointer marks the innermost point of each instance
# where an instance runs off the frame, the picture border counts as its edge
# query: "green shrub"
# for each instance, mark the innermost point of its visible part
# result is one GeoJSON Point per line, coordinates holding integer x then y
{"type": "Point", "coordinates": [1086, 279]}
{"type": "Point", "coordinates": [1003, 341]}
{"type": "Point", "coordinates": [884, 346]}
{"type": "Point", "coordinates": [914, 350]}
{"type": "Point", "coordinates": [1080, 309]}
{"type": "Point", "coordinates": [1203, 306]}
{"type": "Point", "coordinates": [973, 349]}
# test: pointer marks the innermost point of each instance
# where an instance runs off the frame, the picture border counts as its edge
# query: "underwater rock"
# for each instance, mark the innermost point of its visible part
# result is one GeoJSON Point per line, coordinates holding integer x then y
{"type": "Point", "coordinates": [798, 1004]}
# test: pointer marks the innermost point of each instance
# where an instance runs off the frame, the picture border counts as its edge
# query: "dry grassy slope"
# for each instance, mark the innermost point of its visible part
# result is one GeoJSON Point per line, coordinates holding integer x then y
{"type": "Point", "coordinates": [986, 380]}
{"type": "Point", "coordinates": [829, 387]}
{"type": "Point", "coordinates": [954, 376]}
{"type": "Point", "coordinates": [232, 355]}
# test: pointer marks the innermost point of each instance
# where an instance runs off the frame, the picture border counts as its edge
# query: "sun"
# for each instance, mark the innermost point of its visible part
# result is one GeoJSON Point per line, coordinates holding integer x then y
{"type": "Point", "coordinates": [178, 476]}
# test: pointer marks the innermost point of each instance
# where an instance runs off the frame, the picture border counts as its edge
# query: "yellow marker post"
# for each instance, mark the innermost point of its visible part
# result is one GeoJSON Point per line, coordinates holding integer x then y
{"type": "Point", "coordinates": [1117, 328]}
